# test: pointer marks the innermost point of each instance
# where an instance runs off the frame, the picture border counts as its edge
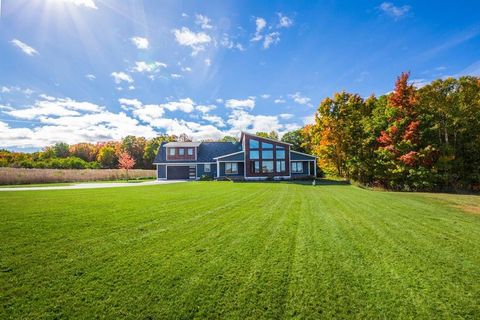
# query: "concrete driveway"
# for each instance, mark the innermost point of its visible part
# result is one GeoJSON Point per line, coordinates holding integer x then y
{"type": "Point", "coordinates": [95, 185]}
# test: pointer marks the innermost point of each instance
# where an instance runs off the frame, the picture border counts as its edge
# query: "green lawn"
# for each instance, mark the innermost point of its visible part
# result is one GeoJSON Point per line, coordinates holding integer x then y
{"type": "Point", "coordinates": [238, 250]}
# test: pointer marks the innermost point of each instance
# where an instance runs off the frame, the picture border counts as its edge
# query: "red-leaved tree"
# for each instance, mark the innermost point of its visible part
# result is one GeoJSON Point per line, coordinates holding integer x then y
{"type": "Point", "coordinates": [125, 161]}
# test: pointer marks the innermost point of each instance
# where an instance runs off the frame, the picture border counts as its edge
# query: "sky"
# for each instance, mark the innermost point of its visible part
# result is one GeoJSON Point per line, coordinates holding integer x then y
{"type": "Point", "coordinates": [98, 70]}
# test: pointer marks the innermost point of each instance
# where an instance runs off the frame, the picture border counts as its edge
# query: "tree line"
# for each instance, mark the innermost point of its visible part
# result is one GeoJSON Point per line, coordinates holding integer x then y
{"type": "Point", "coordinates": [410, 139]}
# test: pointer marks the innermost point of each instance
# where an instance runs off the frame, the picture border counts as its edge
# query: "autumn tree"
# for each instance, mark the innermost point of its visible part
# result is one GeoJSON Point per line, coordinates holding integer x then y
{"type": "Point", "coordinates": [125, 161]}
{"type": "Point", "coordinates": [135, 147]}
{"type": "Point", "coordinates": [61, 150]}
{"type": "Point", "coordinates": [107, 156]}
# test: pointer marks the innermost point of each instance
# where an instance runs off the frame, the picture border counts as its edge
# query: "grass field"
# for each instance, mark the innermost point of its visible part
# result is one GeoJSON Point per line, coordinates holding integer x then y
{"type": "Point", "coordinates": [238, 250]}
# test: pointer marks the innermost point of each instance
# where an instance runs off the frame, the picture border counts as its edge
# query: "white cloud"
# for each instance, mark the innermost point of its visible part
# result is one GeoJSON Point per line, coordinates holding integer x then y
{"type": "Point", "coordinates": [186, 105]}
{"type": "Point", "coordinates": [394, 11]}
{"type": "Point", "coordinates": [260, 25]}
{"type": "Point", "coordinates": [56, 107]}
{"type": "Point", "coordinates": [5, 89]}
{"type": "Point", "coordinates": [90, 77]}
{"type": "Point", "coordinates": [83, 3]}
{"type": "Point", "coordinates": [24, 47]}
{"type": "Point", "coordinates": [206, 108]}
{"type": "Point", "coordinates": [240, 104]}
{"type": "Point", "coordinates": [218, 121]}
{"type": "Point", "coordinates": [176, 76]}
{"type": "Point", "coordinates": [271, 38]}
{"type": "Point", "coordinates": [279, 101]}
{"type": "Point", "coordinates": [284, 21]}
{"type": "Point", "coordinates": [127, 103]}
{"type": "Point", "coordinates": [208, 62]}
{"type": "Point", "coordinates": [196, 41]}
{"type": "Point", "coordinates": [228, 43]}
{"type": "Point", "coordinates": [203, 21]}
{"type": "Point", "coordinates": [265, 96]}
{"type": "Point", "coordinates": [151, 67]}
{"type": "Point", "coordinates": [140, 43]}
{"type": "Point", "coordinates": [184, 15]}
{"type": "Point", "coordinates": [419, 83]}
{"type": "Point", "coordinates": [118, 77]}
{"type": "Point", "coordinates": [186, 69]}
{"type": "Point", "coordinates": [240, 120]}
{"type": "Point", "coordinates": [298, 98]}
{"type": "Point", "coordinates": [285, 116]}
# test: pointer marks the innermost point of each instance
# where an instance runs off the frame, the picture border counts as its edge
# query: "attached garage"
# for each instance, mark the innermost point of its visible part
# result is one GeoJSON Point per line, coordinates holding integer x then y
{"type": "Point", "coordinates": [181, 172]}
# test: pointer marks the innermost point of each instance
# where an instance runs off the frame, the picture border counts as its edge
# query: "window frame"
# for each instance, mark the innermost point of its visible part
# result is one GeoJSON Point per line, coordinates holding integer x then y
{"type": "Point", "coordinates": [231, 171]}
{"type": "Point", "coordinates": [181, 151]}
{"type": "Point", "coordinates": [297, 164]}
{"type": "Point", "coordinates": [279, 162]}
{"type": "Point", "coordinates": [269, 151]}
{"type": "Point", "coordinates": [207, 167]}
{"type": "Point", "coordinates": [190, 151]}
{"type": "Point", "coordinates": [250, 144]}
{"type": "Point", "coordinates": [273, 166]}
{"type": "Point", "coordinates": [171, 152]}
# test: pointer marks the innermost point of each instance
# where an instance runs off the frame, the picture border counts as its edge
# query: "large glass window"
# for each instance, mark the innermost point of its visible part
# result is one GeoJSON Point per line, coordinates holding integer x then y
{"type": "Point", "coordinates": [281, 166]}
{"type": "Point", "coordinates": [254, 144]}
{"type": "Point", "coordinates": [255, 167]}
{"type": "Point", "coordinates": [254, 154]}
{"type": "Point", "coordinates": [181, 151]}
{"type": "Point", "coordinates": [266, 145]}
{"type": "Point", "coordinates": [280, 153]}
{"type": "Point", "coordinates": [267, 154]}
{"type": "Point", "coordinates": [231, 167]}
{"type": "Point", "coordinates": [190, 151]}
{"type": "Point", "coordinates": [206, 167]}
{"type": "Point", "coordinates": [267, 166]}
{"type": "Point", "coordinates": [171, 151]}
{"type": "Point", "coordinates": [297, 167]}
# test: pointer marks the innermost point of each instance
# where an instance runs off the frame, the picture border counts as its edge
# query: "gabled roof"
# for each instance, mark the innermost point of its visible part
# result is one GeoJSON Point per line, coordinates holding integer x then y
{"type": "Point", "coordinates": [254, 135]}
{"type": "Point", "coordinates": [295, 155]}
{"type": "Point", "coordinates": [207, 151]}
{"type": "Point", "coordinates": [182, 144]}
{"type": "Point", "coordinates": [236, 156]}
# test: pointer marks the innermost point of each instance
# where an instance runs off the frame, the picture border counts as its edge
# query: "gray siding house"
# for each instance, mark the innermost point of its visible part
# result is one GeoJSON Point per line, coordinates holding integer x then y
{"type": "Point", "coordinates": [253, 158]}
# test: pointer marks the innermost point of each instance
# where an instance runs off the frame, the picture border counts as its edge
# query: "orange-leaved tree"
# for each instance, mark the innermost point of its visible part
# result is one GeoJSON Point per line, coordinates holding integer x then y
{"type": "Point", "coordinates": [125, 161]}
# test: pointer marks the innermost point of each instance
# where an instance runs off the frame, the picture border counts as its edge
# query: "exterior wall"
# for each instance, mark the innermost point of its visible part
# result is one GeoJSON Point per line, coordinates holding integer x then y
{"type": "Point", "coordinates": [248, 169]}
{"type": "Point", "coordinates": [161, 171]}
{"type": "Point", "coordinates": [240, 170]}
{"type": "Point", "coordinates": [178, 157]}
{"type": "Point", "coordinates": [201, 170]}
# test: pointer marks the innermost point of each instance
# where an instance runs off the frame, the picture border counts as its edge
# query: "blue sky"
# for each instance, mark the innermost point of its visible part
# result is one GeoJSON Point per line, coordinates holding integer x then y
{"type": "Point", "coordinates": [95, 70]}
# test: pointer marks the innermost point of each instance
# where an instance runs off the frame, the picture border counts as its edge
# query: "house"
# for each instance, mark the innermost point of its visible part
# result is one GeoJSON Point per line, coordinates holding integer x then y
{"type": "Point", "coordinates": [253, 158]}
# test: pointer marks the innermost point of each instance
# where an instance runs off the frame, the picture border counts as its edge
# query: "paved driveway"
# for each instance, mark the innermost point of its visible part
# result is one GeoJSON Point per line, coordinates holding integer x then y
{"type": "Point", "coordinates": [94, 185]}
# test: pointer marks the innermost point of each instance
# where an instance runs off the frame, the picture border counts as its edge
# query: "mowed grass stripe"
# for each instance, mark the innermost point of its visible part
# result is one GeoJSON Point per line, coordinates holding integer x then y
{"type": "Point", "coordinates": [243, 250]}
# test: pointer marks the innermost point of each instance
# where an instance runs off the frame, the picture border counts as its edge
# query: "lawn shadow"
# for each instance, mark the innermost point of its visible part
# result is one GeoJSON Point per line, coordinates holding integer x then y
{"type": "Point", "coordinates": [318, 182]}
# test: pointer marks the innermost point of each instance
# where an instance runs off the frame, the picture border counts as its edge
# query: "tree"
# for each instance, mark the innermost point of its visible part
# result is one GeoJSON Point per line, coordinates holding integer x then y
{"type": "Point", "coordinates": [152, 146]}
{"type": "Point", "coordinates": [184, 138]}
{"type": "Point", "coordinates": [84, 151]}
{"type": "Point", "coordinates": [135, 147]}
{"type": "Point", "coordinates": [107, 157]}
{"type": "Point", "coordinates": [296, 139]}
{"type": "Point", "coordinates": [61, 150]}
{"type": "Point", "coordinates": [272, 135]}
{"type": "Point", "coordinates": [229, 139]}
{"type": "Point", "coordinates": [125, 161]}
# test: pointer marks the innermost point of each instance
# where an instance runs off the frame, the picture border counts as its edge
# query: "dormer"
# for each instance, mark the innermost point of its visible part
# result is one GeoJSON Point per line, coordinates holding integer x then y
{"type": "Point", "coordinates": [175, 151]}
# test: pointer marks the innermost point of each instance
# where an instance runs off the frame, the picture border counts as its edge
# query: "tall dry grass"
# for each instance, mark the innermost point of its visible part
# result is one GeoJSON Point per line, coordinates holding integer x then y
{"type": "Point", "coordinates": [27, 176]}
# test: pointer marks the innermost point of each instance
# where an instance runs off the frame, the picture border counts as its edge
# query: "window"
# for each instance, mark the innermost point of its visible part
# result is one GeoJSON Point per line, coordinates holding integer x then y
{"type": "Point", "coordinates": [281, 166]}
{"type": "Point", "coordinates": [254, 144]}
{"type": "Point", "coordinates": [171, 151]}
{"type": "Point", "coordinates": [255, 167]}
{"type": "Point", "coordinates": [267, 166]}
{"type": "Point", "coordinates": [254, 154]}
{"type": "Point", "coordinates": [297, 167]}
{"type": "Point", "coordinates": [231, 167]}
{"type": "Point", "coordinates": [206, 167]}
{"type": "Point", "coordinates": [190, 151]}
{"type": "Point", "coordinates": [267, 154]}
{"type": "Point", "coordinates": [280, 153]}
{"type": "Point", "coordinates": [181, 151]}
{"type": "Point", "coordinates": [266, 145]}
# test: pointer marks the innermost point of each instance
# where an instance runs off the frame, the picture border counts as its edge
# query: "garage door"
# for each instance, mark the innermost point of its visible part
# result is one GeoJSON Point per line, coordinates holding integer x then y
{"type": "Point", "coordinates": [178, 172]}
